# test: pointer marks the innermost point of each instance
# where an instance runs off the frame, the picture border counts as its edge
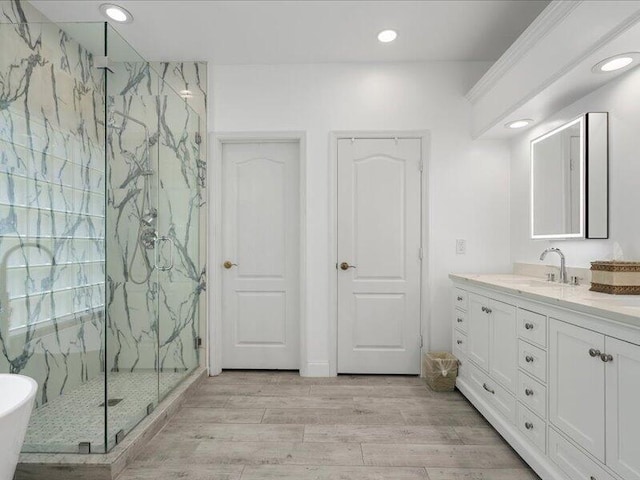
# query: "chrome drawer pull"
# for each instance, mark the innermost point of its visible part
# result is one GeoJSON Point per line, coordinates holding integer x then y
{"type": "Point", "coordinates": [459, 342]}
{"type": "Point", "coordinates": [489, 310]}
{"type": "Point", "coordinates": [594, 352]}
{"type": "Point", "coordinates": [528, 326]}
{"type": "Point", "coordinates": [484, 309]}
{"type": "Point", "coordinates": [459, 298]}
{"type": "Point", "coordinates": [484, 385]}
{"type": "Point", "coordinates": [528, 392]}
{"type": "Point", "coordinates": [528, 426]}
{"type": "Point", "coordinates": [529, 359]}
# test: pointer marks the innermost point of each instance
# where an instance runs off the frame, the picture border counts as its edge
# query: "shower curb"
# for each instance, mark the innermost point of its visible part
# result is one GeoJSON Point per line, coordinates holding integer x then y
{"type": "Point", "coordinates": [107, 466]}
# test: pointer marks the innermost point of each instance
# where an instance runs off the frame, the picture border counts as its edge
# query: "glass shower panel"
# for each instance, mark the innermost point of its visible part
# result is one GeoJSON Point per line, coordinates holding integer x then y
{"type": "Point", "coordinates": [52, 232]}
{"type": "Point", "coordinates": [132, 206]}
{"type": "Point", "coordinates": [178, 222]}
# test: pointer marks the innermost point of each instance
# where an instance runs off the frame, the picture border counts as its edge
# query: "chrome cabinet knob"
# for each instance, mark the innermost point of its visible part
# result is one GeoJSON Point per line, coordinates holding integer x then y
{"type": "Point", "coordinates": [459, 320]}
{"type": "Point", "coordinates": [489, 310]}
{"type": "Point", "coordinates": [459, 342]}
{"type": "Point", "coordinates": [528, 326]}
{"type": "Point", "coordinates": [528, 392]}
{"type": "Point", "coordinates": [484, 309]}
{"type": "Point", "coordinates": [528, 425]}
{"type": "Point", "coordinates": [529, 359]}
{"type": "Point", "coordinates": [459, 298]}
{"type": "Point", "coordinates": [594, 352]}
{"type": "Point", "coordinates": [605, 357]}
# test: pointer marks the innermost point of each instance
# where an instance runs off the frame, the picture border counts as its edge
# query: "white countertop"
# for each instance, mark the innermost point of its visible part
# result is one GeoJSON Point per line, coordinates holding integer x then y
{"type": "Point", "coordinates": [623, 308]}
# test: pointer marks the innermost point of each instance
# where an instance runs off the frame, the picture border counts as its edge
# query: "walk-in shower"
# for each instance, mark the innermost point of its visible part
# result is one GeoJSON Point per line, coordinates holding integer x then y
{"type": "Point", "coordinates": [100, 275]}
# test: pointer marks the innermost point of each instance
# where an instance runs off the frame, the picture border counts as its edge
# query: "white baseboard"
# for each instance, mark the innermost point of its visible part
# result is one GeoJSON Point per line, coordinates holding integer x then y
{"type": "Point", "coordinates": [316, 369]}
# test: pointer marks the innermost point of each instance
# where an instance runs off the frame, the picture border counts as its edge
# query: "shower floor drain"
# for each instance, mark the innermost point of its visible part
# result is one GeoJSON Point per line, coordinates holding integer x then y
{"type": "Point", "coordinates": [112, 402]}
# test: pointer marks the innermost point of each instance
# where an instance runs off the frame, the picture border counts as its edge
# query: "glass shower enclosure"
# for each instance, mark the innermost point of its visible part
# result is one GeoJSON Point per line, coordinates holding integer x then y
{"type": "Point", "coordinates": [99, 227]}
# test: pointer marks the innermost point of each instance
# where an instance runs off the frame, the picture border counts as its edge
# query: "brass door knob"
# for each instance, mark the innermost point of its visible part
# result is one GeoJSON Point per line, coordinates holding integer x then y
{"type": "Point", "coordinates": [346, 266]}
{"type": "Point", "coordinates": [228, 264]}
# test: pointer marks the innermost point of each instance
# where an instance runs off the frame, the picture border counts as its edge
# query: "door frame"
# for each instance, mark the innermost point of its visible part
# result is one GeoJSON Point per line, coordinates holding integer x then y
{"type": "Point", "coordinates": [425, 141]}
{"type": "Point", "coordinates": [218, 140]}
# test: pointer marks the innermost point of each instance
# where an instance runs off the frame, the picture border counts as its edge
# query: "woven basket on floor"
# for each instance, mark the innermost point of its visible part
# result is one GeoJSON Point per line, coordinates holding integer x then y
{"type": "Point", "coordinates": [440, 370]}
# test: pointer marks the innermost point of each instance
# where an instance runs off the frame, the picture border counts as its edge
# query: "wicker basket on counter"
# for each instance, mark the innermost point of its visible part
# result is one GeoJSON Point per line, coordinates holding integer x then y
{"type": "Point", "coordinates": [615, 277]}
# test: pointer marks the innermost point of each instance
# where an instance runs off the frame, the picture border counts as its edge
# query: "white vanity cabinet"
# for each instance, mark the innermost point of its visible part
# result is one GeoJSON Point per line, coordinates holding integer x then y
{"type": "Point", "coordinates": [576, 387]}
{"type": "Point", "coordinates": [561, 386]}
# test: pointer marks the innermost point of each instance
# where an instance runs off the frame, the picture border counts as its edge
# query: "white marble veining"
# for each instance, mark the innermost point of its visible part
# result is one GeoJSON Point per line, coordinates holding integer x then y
{"type": "Point", "coordinates": [621, 308]}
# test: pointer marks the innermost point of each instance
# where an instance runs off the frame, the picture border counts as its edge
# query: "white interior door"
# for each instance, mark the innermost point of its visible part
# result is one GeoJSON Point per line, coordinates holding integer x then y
{"type": "Point", "coordinates": [260, 245]}
{"type": "Point", "coordinates": [379, 239]}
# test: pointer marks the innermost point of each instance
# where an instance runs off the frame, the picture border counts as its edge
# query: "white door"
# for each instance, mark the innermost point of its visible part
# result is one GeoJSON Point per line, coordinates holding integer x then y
{"type": "Point", "coordinates": [260, 244]}
{"type": "Point", "coordinates": [503, 350]}
{"type": "Point", "coordinates": [379, 223]}
{"type": "Point", "coordinates": [623, 416]}
{"type": "Point", "coordinates": [478, 348]}
{"type": "Point", "coordinates": [576, 385]}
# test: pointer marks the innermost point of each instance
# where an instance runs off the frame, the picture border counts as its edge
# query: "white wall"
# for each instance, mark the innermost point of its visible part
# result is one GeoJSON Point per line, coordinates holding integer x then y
{"type": "Point", "coordinates": [468, 180]}
{"type": "Point", "coordinates": [620, 98]}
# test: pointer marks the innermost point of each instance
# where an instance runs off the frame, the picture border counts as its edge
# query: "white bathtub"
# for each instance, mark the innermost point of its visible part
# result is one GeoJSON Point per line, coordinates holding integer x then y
{"type": "Point", "coordinates": [17, 395]}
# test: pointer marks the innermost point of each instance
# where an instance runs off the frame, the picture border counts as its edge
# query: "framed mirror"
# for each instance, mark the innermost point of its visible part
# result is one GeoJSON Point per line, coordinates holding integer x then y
{"type": "Point", "coordinates": [569, 180]}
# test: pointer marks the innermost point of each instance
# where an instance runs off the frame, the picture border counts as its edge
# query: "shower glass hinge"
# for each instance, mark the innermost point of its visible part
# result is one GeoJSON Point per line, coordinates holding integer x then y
{"type": "Point", "coordinates": [120, 436]}
{"type": "Point", "coordinates": [421, 342]}
{"type": "Point", "coordinates": [198, 342]}
{"type": "Point", "coordinates": [420, 253]}
{"type": "Point", "coordinates": [198, 138]}
{"type": "Point", "coordinates": [84, 447]}
{"type": "Point", "coordinates": [150, 408]}
{"type": "Point", "coordinates": [102, 63]}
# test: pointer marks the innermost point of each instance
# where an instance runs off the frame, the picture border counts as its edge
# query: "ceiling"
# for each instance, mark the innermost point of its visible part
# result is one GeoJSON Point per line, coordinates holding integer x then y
{"type": "Point", "coordinates": [275, 32]}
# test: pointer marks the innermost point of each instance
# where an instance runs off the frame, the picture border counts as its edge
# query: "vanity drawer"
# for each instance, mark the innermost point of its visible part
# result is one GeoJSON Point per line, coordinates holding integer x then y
{"type": "Point", "coordinates": [532, 427]}
{"type": "Point", "coordinates": [532, 394]}
{"type": "Point", "coordinates": [532, 360]}
{"type": "Point", "coordinates": [460, 299]}
{"type": "Point", "coordinates": [462, 359]}
{"type": "Point", "coordinates": [493, 393]}
{"type": "Point", "coordinates": [532, 327]}
{"type": "Point", "coordinates": [460, 343]}
{"type": "Point", "coordinates": [575, 464]}
{"type": "Point", "coordinates": [460, 319]}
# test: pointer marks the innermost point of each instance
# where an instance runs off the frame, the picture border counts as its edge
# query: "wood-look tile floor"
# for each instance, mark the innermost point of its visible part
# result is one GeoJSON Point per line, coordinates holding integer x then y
{"type": "Point", "coordinates": [278, 425]}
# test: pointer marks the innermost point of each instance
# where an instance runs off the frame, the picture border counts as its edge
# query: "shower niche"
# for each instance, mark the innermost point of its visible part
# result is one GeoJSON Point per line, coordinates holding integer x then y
{"type": "Point", "coordinates": [100, 197]}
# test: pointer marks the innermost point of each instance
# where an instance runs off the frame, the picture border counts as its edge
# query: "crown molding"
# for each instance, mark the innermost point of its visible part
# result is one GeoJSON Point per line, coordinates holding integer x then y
{"type": "Point", "coordinates": [614, 33]}
{"type": "Point", "coordinates": [539, 28]}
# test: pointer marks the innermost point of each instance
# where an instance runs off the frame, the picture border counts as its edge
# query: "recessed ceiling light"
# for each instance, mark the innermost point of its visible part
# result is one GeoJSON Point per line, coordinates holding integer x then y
{"type": "Point", "coordinates": [519, 123]}
{"type": "Point", "coordinates": [612, 64]}
{"type": "Point", "coordinates": [116, 13]}
{"type": "Point", "coordinates": [387, 36]}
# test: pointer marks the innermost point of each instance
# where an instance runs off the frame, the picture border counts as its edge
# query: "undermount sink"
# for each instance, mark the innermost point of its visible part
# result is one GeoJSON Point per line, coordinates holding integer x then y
{"type": "Point", "coordinates": [515, 282]}
{"type": "Point", "coordinates": [16, 403]}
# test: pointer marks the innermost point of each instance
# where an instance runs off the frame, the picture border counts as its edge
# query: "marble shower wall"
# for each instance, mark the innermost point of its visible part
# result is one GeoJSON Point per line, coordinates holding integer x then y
{"type": "Point", "coordinates": [153, 314]}
{"type": "Point", "coordinates": [51, 204]}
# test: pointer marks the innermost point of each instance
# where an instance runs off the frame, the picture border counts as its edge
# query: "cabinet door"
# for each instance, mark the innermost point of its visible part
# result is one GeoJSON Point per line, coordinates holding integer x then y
{"type": "Point", "coordinates": [576, 385]}
{"type": "Point", "coordinates": [623, 415]}
{"type": "Point", "coordinates": [478, 333]}
{"type": "Point", "coordinates": [503, 353]}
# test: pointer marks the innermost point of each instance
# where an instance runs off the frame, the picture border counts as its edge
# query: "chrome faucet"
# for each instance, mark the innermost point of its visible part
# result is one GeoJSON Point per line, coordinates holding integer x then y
{"type": "Point", "coordinates": [563, 265]}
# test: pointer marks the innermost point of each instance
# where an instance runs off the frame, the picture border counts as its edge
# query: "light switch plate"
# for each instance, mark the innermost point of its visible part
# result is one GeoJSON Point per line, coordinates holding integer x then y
{"type": "Point", "coordinates": [461, 246]}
